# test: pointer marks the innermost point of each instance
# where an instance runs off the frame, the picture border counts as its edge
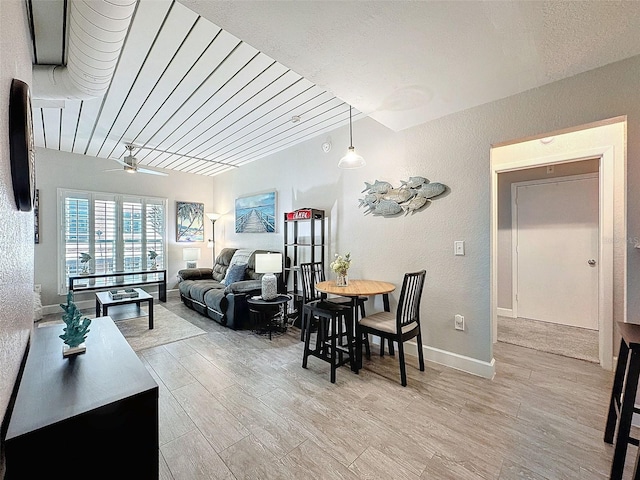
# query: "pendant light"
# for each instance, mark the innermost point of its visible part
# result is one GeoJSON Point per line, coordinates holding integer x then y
{"type": "Point", "coordinates": [351, 159]}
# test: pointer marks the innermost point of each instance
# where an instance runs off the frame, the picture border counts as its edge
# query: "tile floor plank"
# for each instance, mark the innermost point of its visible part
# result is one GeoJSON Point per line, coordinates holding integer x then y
{"type": "Point", "coordinates": [235, 405]}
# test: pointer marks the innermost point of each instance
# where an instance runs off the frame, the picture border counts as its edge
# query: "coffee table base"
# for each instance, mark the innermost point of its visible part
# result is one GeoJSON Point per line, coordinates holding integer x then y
{"type": "Point", "coordinates": [103, 302]}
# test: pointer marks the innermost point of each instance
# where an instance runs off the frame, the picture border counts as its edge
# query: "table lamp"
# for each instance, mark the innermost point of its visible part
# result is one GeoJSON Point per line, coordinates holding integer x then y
{"type": "Point", "coordinates": [191, 255]}
{"type": "Point", "coordinates": [269, 263]}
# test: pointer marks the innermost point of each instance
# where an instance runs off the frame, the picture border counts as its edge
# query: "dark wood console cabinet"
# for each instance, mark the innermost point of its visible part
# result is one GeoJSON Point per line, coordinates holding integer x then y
{"type": "Point", "coordinates": [94, 415]}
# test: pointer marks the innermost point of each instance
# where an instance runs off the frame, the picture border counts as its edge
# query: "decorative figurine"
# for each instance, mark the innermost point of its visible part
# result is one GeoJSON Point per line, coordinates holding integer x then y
{"type": "Point", "coordinates": [85, 258]}
{"type": "Point", "coordinates": [154, 263]}
{"type": "Point", "coordinates": [76, 330]}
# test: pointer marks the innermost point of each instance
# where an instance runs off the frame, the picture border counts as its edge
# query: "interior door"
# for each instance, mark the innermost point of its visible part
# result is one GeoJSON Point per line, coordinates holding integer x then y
{"type": "Point", "coordinates": [556, 238]}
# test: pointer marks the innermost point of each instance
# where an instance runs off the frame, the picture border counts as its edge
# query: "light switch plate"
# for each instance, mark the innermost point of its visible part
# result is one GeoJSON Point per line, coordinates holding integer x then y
{"type": "Point", "coordinates": [458, 247]}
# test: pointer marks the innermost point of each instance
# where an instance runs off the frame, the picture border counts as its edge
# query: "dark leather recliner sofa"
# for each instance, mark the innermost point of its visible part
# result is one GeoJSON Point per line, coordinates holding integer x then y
{"type": "Point", "coordinates": [202, 290]}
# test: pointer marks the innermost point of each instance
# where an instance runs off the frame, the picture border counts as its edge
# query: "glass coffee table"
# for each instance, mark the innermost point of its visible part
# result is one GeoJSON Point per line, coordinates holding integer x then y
{"type": "Point", "coordinates": [104, 302]}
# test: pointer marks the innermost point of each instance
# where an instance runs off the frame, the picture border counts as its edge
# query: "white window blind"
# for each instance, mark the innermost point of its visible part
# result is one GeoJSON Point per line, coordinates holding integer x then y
{"type": "Point", "coordinates": [118, 231]}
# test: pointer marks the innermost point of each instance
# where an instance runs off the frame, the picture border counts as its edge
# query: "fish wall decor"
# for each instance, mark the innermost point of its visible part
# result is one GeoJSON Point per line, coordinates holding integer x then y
{"type": "Point", "coordinates": [381, 198]}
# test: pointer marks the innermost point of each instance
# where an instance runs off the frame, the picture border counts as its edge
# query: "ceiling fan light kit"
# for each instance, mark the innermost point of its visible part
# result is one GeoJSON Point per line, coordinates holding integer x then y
{"type": "Point", "coordinates": [130, 164]}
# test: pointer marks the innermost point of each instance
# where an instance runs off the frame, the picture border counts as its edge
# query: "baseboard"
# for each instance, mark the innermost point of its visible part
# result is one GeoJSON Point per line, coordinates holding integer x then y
{"type": "Point", "coordinates": [506, 312]}
{"type": "Point", "coordinates": [82, 305]}
{"type": "Point", "coordinates": [453, 360]}
{"type": "Point", "coordinates": [460, 362]}
{"type": "Point", "coordinates": [90, 304]}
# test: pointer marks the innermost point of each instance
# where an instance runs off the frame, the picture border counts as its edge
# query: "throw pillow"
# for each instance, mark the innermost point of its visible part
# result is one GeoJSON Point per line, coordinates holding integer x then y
{"type": "Point", "coordinates": [235, 273]}
{"type": "Point", "coordinates": [240, 257]}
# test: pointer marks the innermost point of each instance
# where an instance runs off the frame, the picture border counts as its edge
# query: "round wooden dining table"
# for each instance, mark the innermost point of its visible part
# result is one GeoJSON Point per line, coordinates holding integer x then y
{"type": "Point", "coordinates": [355, 289]}
{"type": "Point", "coordinates": [358, 288]}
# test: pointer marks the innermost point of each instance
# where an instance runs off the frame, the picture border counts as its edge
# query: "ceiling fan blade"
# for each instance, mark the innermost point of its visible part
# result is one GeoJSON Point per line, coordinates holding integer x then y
{"type": "Point", "coordinates": [114, 170]}
{"type": "Point", "coordinates": [152, 172]}
{"type": "Point", "coordinates": [121, 162]}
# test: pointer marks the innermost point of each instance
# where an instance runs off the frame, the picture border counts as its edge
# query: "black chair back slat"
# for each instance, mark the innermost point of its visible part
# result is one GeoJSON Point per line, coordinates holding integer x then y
{"type": "Point", "coordinates": [408, 310]}
{"type": "Point", "coordinates": [311, 274]}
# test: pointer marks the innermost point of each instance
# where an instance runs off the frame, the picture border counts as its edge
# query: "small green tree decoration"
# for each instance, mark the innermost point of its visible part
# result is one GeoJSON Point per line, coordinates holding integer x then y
{"type": "Point", "coordinates": [77, 327]}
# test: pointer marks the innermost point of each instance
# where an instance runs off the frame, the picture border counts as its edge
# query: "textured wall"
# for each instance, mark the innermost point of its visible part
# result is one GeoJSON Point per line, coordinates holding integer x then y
{"type": "Point", "coordinates": [89, 174]}
{"type": "Point", "coordinates": [16, 228]}
{"type": "Point", "coordinates": [453, 150]}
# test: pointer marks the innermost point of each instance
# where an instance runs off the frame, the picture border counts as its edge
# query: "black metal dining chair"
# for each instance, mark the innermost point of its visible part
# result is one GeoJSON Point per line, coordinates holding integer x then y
{"type": "Point", "coordinates": [334, 338]}
{"type": "Point", "coordinates": [400, 326]}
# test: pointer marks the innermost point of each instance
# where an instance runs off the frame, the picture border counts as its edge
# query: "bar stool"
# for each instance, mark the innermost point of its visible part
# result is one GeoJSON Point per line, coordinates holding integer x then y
{"type": "Point", "coordinates": [310, 273]}
{"type": "Point", "coordinates": [330, 338]}
{"type": "Point", "coordinates": [623, 396]}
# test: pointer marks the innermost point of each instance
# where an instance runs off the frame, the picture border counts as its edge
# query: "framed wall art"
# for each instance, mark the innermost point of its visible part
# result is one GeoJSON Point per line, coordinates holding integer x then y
{"type": "Point", "coordinates": [256, 213]}
{"type": "Point", "coordinates": [189, 222]}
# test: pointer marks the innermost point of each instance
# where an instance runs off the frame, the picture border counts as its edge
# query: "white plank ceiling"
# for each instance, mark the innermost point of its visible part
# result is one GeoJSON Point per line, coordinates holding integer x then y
{"type": "Point", "coordinates": [195, 97]}
{"type": "Point", "coordinates": [191, 96]}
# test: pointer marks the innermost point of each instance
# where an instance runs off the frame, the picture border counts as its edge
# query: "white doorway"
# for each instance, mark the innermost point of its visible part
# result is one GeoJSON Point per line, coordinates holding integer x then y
{"type": "Point", "coordinates": [606, 142]}
{"type": "Point", "coordinates": [555, 250]}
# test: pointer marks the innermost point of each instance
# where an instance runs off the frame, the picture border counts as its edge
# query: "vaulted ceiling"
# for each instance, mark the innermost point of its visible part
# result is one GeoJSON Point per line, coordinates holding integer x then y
{"type": "Point", "coordinates": [210, 91]}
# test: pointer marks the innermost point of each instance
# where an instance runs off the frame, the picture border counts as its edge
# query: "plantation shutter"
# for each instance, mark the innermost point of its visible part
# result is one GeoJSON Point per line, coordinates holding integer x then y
{"type": "Point", "coordinates": [106, 235]}
{"type": "Point", "coordinates": [117, 231]}
{"type": "Point", "coordinates": [132, 235]}
{"type": "Point", "coordinates": [76, 232]}
{"type": "Point", "coordinates": [155, 231]}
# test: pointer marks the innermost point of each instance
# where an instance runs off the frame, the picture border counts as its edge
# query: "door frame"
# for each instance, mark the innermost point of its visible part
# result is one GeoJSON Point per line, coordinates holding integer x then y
{"type": "Point", "coordinates": [514, 228]}
{"type": "Point", "coordinates": [605, 140]}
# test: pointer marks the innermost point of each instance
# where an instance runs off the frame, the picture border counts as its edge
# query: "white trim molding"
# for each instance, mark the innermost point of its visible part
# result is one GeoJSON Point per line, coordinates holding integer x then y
{"type": "Point", "coordinates": [448, 359]}
{"type": "Point", "coordinates": [460, 362]}
{"type": "Point", "coordinates": [506, 312]}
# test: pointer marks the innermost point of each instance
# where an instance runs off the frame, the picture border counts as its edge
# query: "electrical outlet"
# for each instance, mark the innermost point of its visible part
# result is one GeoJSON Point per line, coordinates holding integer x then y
{"type": "Point", "coordinates": [459, 322]}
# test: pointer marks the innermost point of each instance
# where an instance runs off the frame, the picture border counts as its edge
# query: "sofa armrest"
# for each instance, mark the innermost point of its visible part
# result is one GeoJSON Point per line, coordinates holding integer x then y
{"type": "Point", "coordinates": [195, 274]}
{"type": "Point", "coordinates": [244, 286]}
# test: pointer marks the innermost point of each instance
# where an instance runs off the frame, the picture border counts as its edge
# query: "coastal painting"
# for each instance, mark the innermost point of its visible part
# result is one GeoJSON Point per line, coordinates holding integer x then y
{"type": "Point", "coordinates": [189, 222]}
{"type": "Point", "coordinates": [256, 213]}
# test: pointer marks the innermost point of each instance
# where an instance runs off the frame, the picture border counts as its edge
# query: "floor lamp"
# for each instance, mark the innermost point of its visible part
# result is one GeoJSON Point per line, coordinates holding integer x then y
{"type": "Point", "coordinates": [212, 241]}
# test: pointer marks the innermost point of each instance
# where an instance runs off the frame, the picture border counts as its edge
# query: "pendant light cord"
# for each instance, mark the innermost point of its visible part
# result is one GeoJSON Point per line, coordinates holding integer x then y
{"type": "Point", "coordinates": [350, 129]}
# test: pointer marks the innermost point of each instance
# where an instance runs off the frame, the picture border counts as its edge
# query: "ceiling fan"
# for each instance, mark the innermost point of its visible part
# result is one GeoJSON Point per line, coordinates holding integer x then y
{"type": "Point", "coordinates": [130, 164]}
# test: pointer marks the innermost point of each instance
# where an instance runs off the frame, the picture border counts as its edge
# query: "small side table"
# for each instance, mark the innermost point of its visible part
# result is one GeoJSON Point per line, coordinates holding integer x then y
{"type": "Point", "coordinates": [267, 310]}
{"type": "Point", "coordinates": [104, 301]}
{"type": "Point", "coordinates": [623, 397]}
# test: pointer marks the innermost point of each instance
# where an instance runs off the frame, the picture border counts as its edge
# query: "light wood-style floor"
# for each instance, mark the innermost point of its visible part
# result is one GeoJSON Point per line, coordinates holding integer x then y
{"type": "Point", "coordinates": [236, 405]}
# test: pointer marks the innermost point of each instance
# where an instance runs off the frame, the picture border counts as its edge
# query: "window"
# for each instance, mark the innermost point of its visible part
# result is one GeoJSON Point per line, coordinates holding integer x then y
{"type": "Point", "coordinates": [117, 231]}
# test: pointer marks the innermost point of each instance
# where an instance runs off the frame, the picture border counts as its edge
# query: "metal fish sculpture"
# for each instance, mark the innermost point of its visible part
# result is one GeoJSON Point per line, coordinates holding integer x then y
{"type": "Point", "coordinates": [412, 195]}
{"type": "Point", "coordinates": [370, 199]}
{"type": "Point", "coordinates": [414, 204]}
{"type": "Point", "coordinates": [377, 187]}
{"type": "Point", "coordinates": [399, 195]}
{"type": "Point", "coordinates": [430, 190]}
{"type": "Point", "coordinates": [387, 208]}
{"type": "Point", "coordinates": [413, 182]}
